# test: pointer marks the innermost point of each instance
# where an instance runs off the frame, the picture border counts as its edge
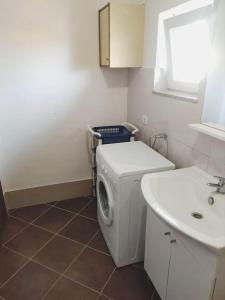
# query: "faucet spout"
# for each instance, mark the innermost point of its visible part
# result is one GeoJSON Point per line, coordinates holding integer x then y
{"type": "Point", "coordinates": [220, 186]}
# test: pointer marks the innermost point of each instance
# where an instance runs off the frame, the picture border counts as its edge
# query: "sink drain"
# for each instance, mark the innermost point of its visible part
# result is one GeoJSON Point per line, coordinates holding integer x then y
{"type": "Point", "coordinates": [197, 215]}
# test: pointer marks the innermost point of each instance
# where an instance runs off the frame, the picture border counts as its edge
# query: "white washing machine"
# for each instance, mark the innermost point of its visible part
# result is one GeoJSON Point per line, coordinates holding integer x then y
{"type": "Point", "coordinates": [121, 206]}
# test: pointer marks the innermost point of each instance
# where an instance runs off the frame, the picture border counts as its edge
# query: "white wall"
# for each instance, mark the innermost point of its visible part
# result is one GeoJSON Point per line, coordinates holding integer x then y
{"type": "Point", "coordinates": [186, 147]}
{"type": "Point", "coordinates": [50, 88]}
{"type": "Point", "coordinates": [214, 105]}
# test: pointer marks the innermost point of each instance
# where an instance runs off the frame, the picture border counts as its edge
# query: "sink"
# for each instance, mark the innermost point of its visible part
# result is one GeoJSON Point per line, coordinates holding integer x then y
{"type": "Point", "coordinates": [181, 199]}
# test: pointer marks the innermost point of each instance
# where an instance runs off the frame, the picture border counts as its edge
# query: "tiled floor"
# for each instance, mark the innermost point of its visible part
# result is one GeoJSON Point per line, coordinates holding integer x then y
{"type": "Point", "coordinates": [56, 251]}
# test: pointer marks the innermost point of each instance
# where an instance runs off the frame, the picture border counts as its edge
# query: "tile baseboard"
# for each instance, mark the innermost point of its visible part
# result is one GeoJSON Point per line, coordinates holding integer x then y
{"type": "Point", "coordinates": [48, 193]}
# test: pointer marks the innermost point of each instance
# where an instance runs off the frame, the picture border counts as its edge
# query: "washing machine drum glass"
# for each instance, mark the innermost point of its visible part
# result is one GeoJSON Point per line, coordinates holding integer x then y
{"type": "Point", "coordinates": [105, 202]}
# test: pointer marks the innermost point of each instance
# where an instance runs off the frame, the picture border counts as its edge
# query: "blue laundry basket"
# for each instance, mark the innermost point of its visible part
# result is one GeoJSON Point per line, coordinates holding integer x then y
{"type": "Point", "coordinates": [113, 134]}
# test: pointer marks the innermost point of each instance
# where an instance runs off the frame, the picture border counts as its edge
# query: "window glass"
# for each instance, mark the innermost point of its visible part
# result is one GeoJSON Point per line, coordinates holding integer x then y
{"type": "Point", "coordinates": [189, 52]}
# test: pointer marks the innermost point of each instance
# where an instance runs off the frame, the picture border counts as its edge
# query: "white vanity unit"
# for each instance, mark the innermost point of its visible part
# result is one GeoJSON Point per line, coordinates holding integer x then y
{"type": "Point", "coordinates": [185, 235]}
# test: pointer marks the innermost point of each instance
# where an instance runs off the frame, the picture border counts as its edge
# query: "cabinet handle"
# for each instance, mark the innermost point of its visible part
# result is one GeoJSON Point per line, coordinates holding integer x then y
{"type": "Point", "coordinates": [173, 241]}
{"type": "Point", "coordinates": [167, 233]}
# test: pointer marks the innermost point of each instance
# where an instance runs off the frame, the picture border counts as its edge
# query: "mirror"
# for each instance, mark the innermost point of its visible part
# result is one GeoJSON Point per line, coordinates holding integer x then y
{"type": "Point", "coordinates": [214, 102]}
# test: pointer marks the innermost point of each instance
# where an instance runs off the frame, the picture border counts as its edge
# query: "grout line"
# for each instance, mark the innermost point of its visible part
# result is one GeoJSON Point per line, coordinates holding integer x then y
{"type": "Point", "coordinates": [28, 224]}
{"type": "Point", "coordinates": [37, 262]}
{"type": "Point", "coordinates": [65, 210]}
{"type": "Point", "coordinates": [73, 212]}
{"type": "Point", "coordinates": [82, 244]}
{"type": "Point", "coordinates": [109, 278]}
{"type": "Point", "coordinates": [72, 262]}
{"type": "Point", "coordinates": [43, 228]}
{"type": "Point", "coordinates": [49, 207]}
{"type": "Point", "coordinates": [85, 206]}
{"type": "Point", "coordinates": [30, 259]}
{"type": "Point", "coordinates": [89, 218]}
{"type": "Point", "coordinates": [80, 283]}
{"type": "Point", "coordinates": [32, 225]}
{"type": "Point", "coordinates": [100, 251]}
{"type": "Point", "coordinates": [15, 235]}
{"type": "Point", "coordinates": [17, 271]}
{"type": "Point", "coordinates": [20, 220]}
{"type": "Point", "coordinates": [14, 251]}
{"type": "Point", "coordinates": [107, 297]}
{"type": "Point", "coordinates": [46, 267]}
{"type": "Point", "coordinates": [57, 233]}
{"type": "Point", "coordinates": [67, 238]}
{"type": "Point", "coordinates": [53, 236]}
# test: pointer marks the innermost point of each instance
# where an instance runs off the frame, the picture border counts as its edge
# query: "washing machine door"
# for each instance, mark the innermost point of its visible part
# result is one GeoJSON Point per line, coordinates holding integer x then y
{"type": "Point", "coordinates": [105, 202]}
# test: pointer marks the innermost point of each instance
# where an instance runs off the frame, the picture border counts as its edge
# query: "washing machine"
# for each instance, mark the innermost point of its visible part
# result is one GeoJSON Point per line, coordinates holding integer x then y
{"type": "Point", "coordinates": [121, 206]}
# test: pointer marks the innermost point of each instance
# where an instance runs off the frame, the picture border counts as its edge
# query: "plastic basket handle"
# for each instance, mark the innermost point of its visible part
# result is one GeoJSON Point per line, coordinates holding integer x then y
{"type": "Point", "coordinates": [93, 132]}
{"type": "Point", "coordinates": [132, 126]}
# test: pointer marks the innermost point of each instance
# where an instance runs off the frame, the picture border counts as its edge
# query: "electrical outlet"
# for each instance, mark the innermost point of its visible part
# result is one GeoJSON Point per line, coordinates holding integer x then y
{"type": "Point", "coordinates": [144, 119]}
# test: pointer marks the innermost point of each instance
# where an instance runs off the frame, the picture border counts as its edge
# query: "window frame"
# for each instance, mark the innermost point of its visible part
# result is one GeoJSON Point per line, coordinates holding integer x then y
{"type": "Point", "coordinates": [203, 13]}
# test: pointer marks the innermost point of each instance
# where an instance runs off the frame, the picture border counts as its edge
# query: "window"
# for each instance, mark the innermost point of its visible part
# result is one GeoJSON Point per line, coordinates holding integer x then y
{"type": "Point", "coordinates": [184, 49]}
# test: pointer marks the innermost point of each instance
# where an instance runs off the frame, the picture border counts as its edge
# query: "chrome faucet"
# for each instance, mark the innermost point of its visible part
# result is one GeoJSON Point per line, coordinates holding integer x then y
{"type": "Point", "coordinates": [220, 186]}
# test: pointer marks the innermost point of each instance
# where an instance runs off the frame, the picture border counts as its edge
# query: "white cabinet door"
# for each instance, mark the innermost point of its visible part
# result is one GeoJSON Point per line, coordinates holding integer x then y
{"type": "Point", "coordinates": [188, 280]}
{"type": "Point", "coordinates": [157, 253]}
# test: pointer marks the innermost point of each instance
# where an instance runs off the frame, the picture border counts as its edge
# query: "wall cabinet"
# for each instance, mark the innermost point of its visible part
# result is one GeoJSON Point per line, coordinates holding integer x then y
{"type": "Point", "coordinates": [180, 269]}
{"type": "Point", "coordinates": [121, 35]}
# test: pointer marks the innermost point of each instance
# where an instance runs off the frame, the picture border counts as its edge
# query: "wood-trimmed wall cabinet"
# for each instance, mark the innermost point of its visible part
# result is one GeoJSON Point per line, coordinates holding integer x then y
{"type": "Point", "coordinates": [121, 35]}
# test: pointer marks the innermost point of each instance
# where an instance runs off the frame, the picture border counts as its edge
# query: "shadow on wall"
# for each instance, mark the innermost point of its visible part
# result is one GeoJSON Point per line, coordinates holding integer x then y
{"type": "Point", "coordinates": [51, 88]}
{"type": "Point", "coordinates": [84, 48]}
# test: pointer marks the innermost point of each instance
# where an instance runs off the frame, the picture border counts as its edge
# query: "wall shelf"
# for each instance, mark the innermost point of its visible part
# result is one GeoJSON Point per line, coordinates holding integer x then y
{"type": "Point", "coordinates": [213, 132]}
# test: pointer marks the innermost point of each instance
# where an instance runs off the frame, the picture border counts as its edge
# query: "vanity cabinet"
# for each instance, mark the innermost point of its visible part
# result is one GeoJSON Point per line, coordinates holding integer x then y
{"type": "Point", "coordinates": [177, 270]}
{"type": "Point", "coordinates": [121, 35]}
{"type": "Point", "coordinates": [157, 253]}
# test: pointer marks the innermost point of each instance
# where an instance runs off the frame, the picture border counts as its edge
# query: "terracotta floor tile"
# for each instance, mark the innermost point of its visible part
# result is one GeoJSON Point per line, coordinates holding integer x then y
{"type": "Point", "coordinates": [11, 228]}
{"type": "Point", "coordinates": [102, 297]}
{"type": "Point", "coordinates": [92, 269]}
{"type": "Point", "coordinates": [80, 229]}
{"type": "Point", "coordinates": [68, 290]}
{"type": "Point", "coordinates": [99, 243]}
{"type": "Point", "coordinates": [73, 205]}
{"type": "Point", "coordinates": [90, 211]}
{"type": "Point", "coordinates": [54, 219]}
{"type": "Point", "coordinates": [31, 282]}
{"type": "Point", "coordinates": [29, 213]}
{"type": "Point", "coordinates": [29, 241]}
{"type": "Point", "coordinates": [129, 283]}
{"type": "Point", "coordinates": [139, 265]}
{"type": "Point", "coordinates": [58, 253]}
{"type": "Point", "coordinates": [9, 264]}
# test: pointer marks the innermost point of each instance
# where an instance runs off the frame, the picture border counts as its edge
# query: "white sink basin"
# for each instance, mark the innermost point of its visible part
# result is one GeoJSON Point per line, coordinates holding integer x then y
{"type": "Point", "coordinates": [176, 195]}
